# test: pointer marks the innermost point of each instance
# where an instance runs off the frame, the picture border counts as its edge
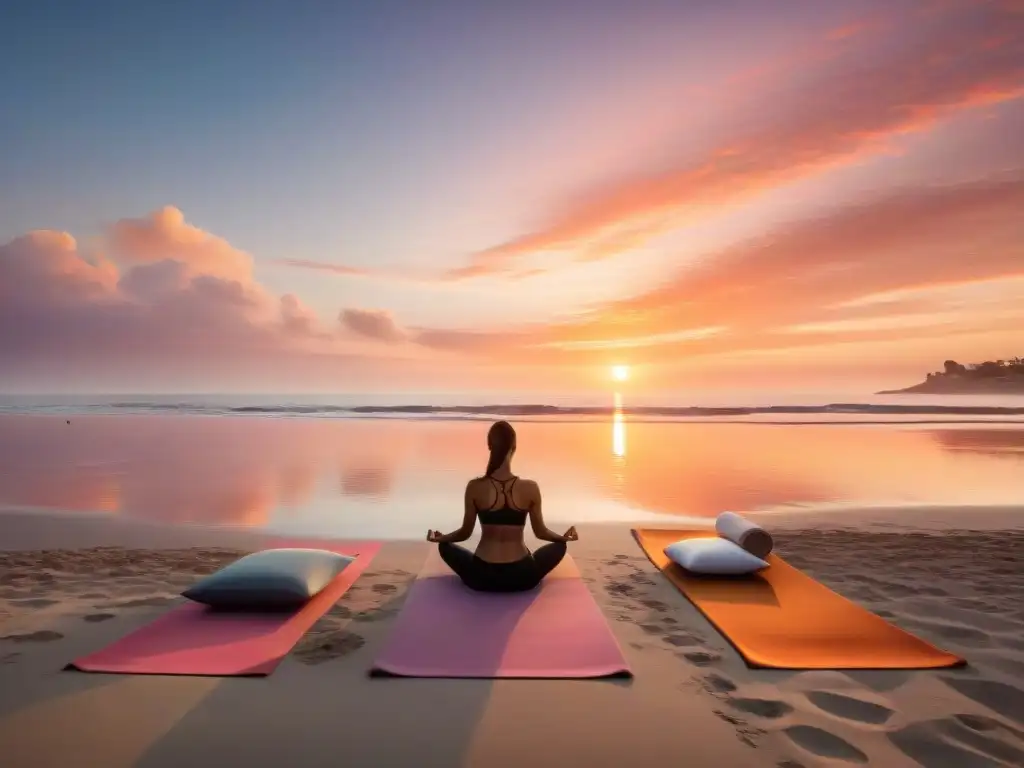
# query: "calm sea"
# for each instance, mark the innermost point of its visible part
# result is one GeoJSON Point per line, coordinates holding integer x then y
{"type": "Point", "coordinates": [310, 465]}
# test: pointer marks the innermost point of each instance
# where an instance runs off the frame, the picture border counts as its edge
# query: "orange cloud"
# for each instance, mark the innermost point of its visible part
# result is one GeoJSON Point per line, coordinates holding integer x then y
{"type": "Point", "coordinates": [851, 108]}
{"type": "Point", "coordinates": [870, 272]}
{"type": "Point", "coordinates": [165, 235]}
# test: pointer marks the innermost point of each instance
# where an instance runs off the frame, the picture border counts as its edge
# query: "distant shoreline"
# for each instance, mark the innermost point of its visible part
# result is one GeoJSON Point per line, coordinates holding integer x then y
{"type": "Point", "coordinates": [498, 410]}
{"type": "Point", "coordinates": [962, 386]}
{"type": "Point", "coordinates": [993, 377]}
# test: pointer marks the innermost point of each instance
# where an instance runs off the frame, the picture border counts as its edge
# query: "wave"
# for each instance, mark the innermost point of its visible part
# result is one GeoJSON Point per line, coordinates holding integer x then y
{"type": "Point", "coordinates": [539, 411]}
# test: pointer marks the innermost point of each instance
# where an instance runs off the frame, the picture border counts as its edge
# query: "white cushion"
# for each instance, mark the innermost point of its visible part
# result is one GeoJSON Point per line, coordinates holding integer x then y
{"type": "Point", "coordinates": [713, 556]}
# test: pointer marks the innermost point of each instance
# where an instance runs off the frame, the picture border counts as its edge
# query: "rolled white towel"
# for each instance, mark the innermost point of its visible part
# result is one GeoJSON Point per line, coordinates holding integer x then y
{"type": "Point", "coordinates": [750, 536]}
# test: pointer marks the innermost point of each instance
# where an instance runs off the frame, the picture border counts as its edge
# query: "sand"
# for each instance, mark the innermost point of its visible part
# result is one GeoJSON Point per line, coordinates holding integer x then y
{"type": "Point", "coordinates": [71, 584]}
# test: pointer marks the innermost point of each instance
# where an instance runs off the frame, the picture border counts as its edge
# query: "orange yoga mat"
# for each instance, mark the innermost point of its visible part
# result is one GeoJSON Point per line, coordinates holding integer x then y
{"type": "Point", "coordinates": [781, 618]}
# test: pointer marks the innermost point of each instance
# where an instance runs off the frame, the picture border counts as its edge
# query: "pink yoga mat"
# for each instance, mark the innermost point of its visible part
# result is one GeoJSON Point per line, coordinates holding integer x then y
{"type": "Point", "coordinates": [192, 639]}
{"type": "Point", "coordinates": [447, 630]}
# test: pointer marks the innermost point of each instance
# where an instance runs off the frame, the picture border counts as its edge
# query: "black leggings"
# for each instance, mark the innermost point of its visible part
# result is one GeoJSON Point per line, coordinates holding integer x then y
{"type": "Point", "coordinates": [517, 576]}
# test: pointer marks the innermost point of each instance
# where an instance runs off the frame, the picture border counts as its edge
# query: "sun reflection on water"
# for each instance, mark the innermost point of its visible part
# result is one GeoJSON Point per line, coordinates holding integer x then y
{"type": "Point", "coordinates": [618, 429]}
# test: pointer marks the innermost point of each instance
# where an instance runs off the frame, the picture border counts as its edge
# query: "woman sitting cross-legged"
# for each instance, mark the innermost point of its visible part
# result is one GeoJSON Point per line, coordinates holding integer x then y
{"type": "Point", "coordinates": [502, 562]}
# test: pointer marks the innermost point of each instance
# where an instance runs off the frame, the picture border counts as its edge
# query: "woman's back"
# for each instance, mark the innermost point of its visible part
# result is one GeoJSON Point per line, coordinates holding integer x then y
{"type": "Point", "coordinates": [502, 503]}
{"type": "Point", "coordinates": [503, 506]}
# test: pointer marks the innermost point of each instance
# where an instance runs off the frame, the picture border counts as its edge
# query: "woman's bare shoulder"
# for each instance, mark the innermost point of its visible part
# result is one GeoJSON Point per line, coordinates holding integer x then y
{"type": "Point", "coordinates": [531, 486]}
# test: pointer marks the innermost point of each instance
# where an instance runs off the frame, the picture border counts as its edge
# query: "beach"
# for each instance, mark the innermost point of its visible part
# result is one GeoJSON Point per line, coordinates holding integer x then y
{"type": "Point", "coordinates": [394, 384]}
{"type": "Point", "coordinates": [74, 583]}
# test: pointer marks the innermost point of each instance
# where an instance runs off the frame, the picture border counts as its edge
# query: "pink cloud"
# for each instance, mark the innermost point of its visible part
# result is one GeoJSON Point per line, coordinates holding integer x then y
{"type": "Point", "coordinates": [375, 324]}
{"type": "Point", "coordinates": [48, 267]}
{"type": "Point", "coordinates": [296, 318]}
{"type": "Point", "coordinates": [178, 299]}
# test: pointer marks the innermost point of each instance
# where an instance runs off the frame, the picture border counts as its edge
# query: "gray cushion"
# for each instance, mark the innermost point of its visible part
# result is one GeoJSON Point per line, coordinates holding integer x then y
{"type": "Point", "coordinates": [271, 580]}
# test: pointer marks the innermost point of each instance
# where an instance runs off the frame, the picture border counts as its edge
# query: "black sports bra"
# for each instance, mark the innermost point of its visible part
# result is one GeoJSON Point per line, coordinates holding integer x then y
{"type": "Point", "coordinates": [506, 514]}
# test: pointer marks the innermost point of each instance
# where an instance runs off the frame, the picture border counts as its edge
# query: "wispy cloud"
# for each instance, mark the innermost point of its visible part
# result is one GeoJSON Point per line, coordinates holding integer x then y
{"type": "Point", "coordinates": [324, 266]}
{"type": "Point", "coordinates": [877, 270]}
{"type": "Point", "coordinates": [882, 86]}
{"type": "Point", "coordinates": [346, 270]}
{"type": "Point", "coordinates": [637, 342]}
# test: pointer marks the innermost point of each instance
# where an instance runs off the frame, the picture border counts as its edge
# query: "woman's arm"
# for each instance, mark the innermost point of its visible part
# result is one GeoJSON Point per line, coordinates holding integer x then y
{"type": "Point", "coordinates": [465, 530]}
{"type": "Point", "coordinates": [540, 529]}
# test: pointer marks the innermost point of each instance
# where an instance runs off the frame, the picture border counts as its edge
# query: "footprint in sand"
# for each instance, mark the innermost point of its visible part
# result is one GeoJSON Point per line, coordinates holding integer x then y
{"type": "Point", "coordinates": [639, 577]}
{"type": "Point", "coordinates": [620, 589]}
{"type": "Point", "coordinates": [981, 723]}
{"type": "Point", "coordinates": [850, 708]}
{"type": "Point", "coordinates": [718, 684]}
{"type": "Point", "coordinates": [374, 615]}
{"type": "Point", "coordinates": [35, 602]}
{"type": "Point", "coordinates": [1005, 699]}
{"type": "Point", "coordinates": [654, 605]}
{"type": "Point", "coordinates": [744, 731]}
{"type": "Point", "coordinates": [701, 658]}
{"type": "Point", "coordinates": [316, 650]}
{"type": "Point", "coordinates": [770, 709]}
{"type": "Point", "coordinates": [145, 602]}
{"type": "Point", "coordinates": [384, 589]}
{"type": "Point", "coordinates": [987, 738]}
{"type": "Point", "coordinates": [947, 742]}
{"type": "Point", "coordinates": [681, 640]}
{"type": "Point", "coordinates": [39, 636]}
{"type": "Point", "coordinates": [95, 618]}
{"type": "Point", "coordinates": [824, 744]}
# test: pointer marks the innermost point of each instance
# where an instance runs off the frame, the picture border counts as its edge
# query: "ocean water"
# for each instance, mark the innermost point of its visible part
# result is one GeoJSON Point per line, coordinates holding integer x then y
{"type": "Point", "coordinates": [335, 474]}
{"type": "Point", "coordinates": [721, 405]}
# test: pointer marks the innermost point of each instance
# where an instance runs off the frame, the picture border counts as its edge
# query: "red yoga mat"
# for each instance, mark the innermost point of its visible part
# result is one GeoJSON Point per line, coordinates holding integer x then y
{"type": "Point", "coordinates": [448, 630]}
{"type": "Point", "coordinates": [192, 639]}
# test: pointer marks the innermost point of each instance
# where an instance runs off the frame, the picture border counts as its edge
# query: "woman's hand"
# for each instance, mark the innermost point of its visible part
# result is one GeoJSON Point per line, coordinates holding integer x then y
{"type": "Point", "coordinates": [571, 534]}
{"type": "Point", "coordinates": [434, 537]}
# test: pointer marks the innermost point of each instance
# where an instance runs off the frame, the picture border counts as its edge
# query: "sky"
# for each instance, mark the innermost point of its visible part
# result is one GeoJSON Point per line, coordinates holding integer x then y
{"type": "Point", "coordinates": [396, 196]}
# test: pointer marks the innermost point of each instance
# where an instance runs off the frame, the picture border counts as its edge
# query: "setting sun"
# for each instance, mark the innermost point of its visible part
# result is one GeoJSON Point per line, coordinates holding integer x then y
{"type": "Point", "coordinates": [620, 372]}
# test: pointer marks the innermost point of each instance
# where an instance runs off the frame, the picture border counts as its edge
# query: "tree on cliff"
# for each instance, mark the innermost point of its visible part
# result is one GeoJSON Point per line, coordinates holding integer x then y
{"type": "Point", "coordinates": [952, 367]}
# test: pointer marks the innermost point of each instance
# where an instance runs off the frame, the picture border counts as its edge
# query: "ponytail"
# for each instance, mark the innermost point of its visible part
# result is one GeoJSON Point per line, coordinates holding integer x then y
{"type": "Point", "coordinates": [494, 462]}
{"type": "Point", "coordinates": [501, 439]}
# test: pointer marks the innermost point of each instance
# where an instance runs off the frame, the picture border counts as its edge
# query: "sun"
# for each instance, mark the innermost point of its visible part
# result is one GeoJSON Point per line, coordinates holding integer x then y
{"type": "Point", "coordinates": [620, 372]}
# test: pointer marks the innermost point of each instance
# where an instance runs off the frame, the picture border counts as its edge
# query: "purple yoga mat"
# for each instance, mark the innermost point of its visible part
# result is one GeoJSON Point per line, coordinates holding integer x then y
{"type": "Point", "coordinates": [448, 630]}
